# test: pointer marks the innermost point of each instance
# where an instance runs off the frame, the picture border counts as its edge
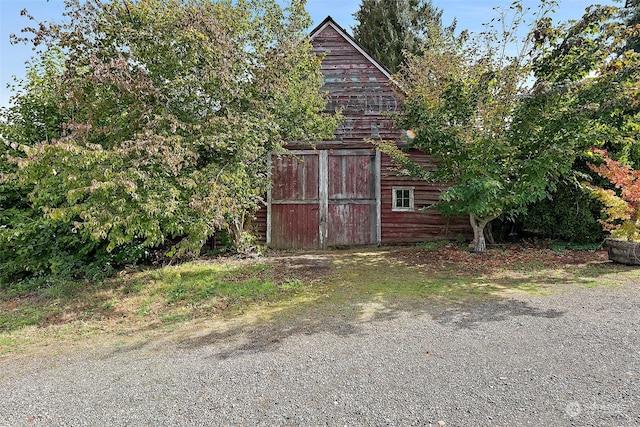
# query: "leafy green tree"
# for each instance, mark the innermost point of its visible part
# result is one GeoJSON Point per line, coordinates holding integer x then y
{"type": "Point", "coordinates": [501, 143]}
{"type": "Point", "coordinates": [387, 28]}
{"type": "Point", "coordinates": [34, 249]}
{"type": "Point", "coordinates": [586, 83]}
{"type": "Point", "coordinates": [573, 218]}
{"type": "Point", "coordinates": [633, 19]}
{"type": "Point", "coordinates": [170, 108]}
{"type": "Point", "coordinates": [461, 95]}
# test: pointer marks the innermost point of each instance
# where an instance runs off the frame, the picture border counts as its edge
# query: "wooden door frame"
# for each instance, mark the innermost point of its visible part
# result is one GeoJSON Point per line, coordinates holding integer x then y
{"type": "Point", "coordinates": [323, 190]}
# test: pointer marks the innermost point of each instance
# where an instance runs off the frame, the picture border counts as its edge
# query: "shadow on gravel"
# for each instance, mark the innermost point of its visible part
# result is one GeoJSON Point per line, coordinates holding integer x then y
{"type": "Point", "coordinates": [353, 288]}
{"type": "Point", "coordinates": [491, 310]}
{"type": "Point", "coordinates": [269, 335]}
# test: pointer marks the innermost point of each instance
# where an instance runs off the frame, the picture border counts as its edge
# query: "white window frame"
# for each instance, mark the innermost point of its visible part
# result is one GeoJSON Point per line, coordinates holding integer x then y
{"type": "Point", "coordinates": [394, 193]}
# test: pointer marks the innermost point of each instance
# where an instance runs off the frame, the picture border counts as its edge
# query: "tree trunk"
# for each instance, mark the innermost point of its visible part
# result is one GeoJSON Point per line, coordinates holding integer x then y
{"type": "Point", "coordinates": [478, 225]}
{"type": "Point", "coordinates": [488, 234]}
{"type": "Point", "coordinates": [236, 229]}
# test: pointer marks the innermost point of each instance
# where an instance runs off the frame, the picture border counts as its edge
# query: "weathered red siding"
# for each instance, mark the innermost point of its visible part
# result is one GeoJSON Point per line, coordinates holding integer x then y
{"type": "Point", "coordinates": [353, 214]}
{"type": "Point", "coordinates": [295, 226]}
{"type": "Point", "coordinates": [357, 87]}
{"type": "Point", "coordinates": [351, 198]}
{"type": "Point", "coordinates": [295, 218]}
{"type": "Point", "coordinates": [258, 225]}
{"type": "Point", "coordinates": [419, 225]}
{"type": "Point", "coordinates": [350, 224]}
{"type": "Point", "coordinates": [297, 178]}
{"type": "Point", "coordinates": [351, 177]}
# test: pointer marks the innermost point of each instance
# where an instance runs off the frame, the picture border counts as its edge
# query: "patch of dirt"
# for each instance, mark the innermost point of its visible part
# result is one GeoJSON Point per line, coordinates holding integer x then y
{"type": "Point", "coordinates": [511, 256]}
{"type": "Point", "coordinates": [309, 266]}
{"type": "Point", "coordinates": [302, 266]}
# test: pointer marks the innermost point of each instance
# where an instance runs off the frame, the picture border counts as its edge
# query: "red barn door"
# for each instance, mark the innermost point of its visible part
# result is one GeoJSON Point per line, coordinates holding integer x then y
{"type": "Point", "coordinates": [322, 198]}
{"type": "Point", "coordinates": [352, 198]}
{"type": "Point", "coordinates": [294, 214]}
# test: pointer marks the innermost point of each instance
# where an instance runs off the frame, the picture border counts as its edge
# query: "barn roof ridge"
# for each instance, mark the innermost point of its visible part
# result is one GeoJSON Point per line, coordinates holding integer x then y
{"type": "Point", "coordinates": [329, 21]}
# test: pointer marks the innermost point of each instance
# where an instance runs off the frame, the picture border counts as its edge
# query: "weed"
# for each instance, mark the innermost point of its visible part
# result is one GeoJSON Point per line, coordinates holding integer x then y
{"type": "Point", "coordinates": [460, 239]}
{"type": "Point", "coordinates": [292, 284]}
{"type": "Point", "coordinates": [559, 246]}
{"type": "Point", "coordinates": [109, 304]}
{"type": "Point", "coordinates": [63, 290]}
{"type": "Point", "coordinates": [132, 287]}
{"type": "Point", "coordinates": [178, 292]}
{"type": "Point", "coordinates": [432, 246]}
{"type": "Point", "coordinates": [8, 343]}
{"type": "Point", "coordinates": [25, 316]}
{"type": "Point", "coordinates": [145, 308]}
{"type": "Point", "coordinates": [172, 318]}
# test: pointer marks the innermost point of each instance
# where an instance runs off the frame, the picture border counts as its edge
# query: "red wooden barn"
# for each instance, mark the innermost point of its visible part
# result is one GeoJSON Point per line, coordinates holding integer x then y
{"type": "Point", "coordinates": [344, 192]}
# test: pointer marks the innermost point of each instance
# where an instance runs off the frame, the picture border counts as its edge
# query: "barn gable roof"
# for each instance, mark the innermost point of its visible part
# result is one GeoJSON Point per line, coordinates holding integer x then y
{"type": "Point", "coordinates": [329, 22]}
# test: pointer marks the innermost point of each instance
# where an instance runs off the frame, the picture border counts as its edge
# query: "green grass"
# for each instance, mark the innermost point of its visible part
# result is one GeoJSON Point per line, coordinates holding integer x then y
{"type": "Point", "coordinates": [560, 246]}
{"type": "Point", "coordinates": [139, 300]}
{"type": "Point", "coordinates": [352, 282]}
{"type": "Point", "coordinates": [26, 316]}
{"type": "Point", "coordinates": [388, 279]}
{"type": "Point", "coordinates": [196, 282]}
{"type": "Point", "coordinates": [434, 245]}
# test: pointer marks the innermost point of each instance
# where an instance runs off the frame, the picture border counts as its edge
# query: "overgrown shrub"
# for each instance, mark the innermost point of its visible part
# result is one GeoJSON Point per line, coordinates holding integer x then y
{"type": "Point", "coordinates": [35, 253]}
{"type": "Point", "coordinates": [570, 215]}
{"type": "Point", "coordinates": [622, 204]}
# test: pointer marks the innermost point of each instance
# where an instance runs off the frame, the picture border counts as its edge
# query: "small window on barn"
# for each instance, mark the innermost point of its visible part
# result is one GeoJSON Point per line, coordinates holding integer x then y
{"type": "Point", "coordinates": [403, 199]}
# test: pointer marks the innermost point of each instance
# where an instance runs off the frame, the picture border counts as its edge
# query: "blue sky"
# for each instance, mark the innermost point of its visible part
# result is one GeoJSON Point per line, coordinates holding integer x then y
{"type": "Point", "coordinates": [470, 14]}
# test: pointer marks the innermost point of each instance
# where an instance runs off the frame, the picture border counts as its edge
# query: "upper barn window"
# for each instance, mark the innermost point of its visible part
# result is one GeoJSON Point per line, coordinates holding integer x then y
{"type": "Point", "coordinates": [403, 199]}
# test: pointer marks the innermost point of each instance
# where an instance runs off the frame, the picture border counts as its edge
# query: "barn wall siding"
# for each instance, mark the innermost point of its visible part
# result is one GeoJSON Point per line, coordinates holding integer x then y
{"type": "Point", "coordinates": [418, 225]}
{"type": "Point", "coordinates": [258, 225]}
{"type": "Point", "coordinates": [358, 88]}
{"type": "Point", "coordinates": [354, 205]}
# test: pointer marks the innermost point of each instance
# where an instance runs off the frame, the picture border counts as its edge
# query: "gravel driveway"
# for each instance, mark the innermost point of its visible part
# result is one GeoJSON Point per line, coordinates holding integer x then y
{"type": "Point", "coordinates": [570, 358]}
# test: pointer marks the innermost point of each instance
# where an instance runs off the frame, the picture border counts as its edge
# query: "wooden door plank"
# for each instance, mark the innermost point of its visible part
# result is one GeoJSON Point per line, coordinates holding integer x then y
{"type": "Point", "coordinates": [349, 224]}
{"type": "Point", "coordinates": [323, 181]}
{"type": "Point", "coordinates": [295, 226]}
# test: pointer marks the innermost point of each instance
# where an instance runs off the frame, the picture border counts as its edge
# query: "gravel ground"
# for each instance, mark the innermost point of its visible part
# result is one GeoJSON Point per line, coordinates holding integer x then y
{"type": "Point", "coordinates": [570, 358]}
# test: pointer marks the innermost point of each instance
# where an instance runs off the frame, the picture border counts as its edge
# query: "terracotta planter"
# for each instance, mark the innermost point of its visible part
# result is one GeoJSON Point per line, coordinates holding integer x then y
{"type": "Point", "coordinates": [622, 251]}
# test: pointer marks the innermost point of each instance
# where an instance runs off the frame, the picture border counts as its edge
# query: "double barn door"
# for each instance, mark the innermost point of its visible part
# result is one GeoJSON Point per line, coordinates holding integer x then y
{"type": "Point", "coordinates": [324, 198]}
